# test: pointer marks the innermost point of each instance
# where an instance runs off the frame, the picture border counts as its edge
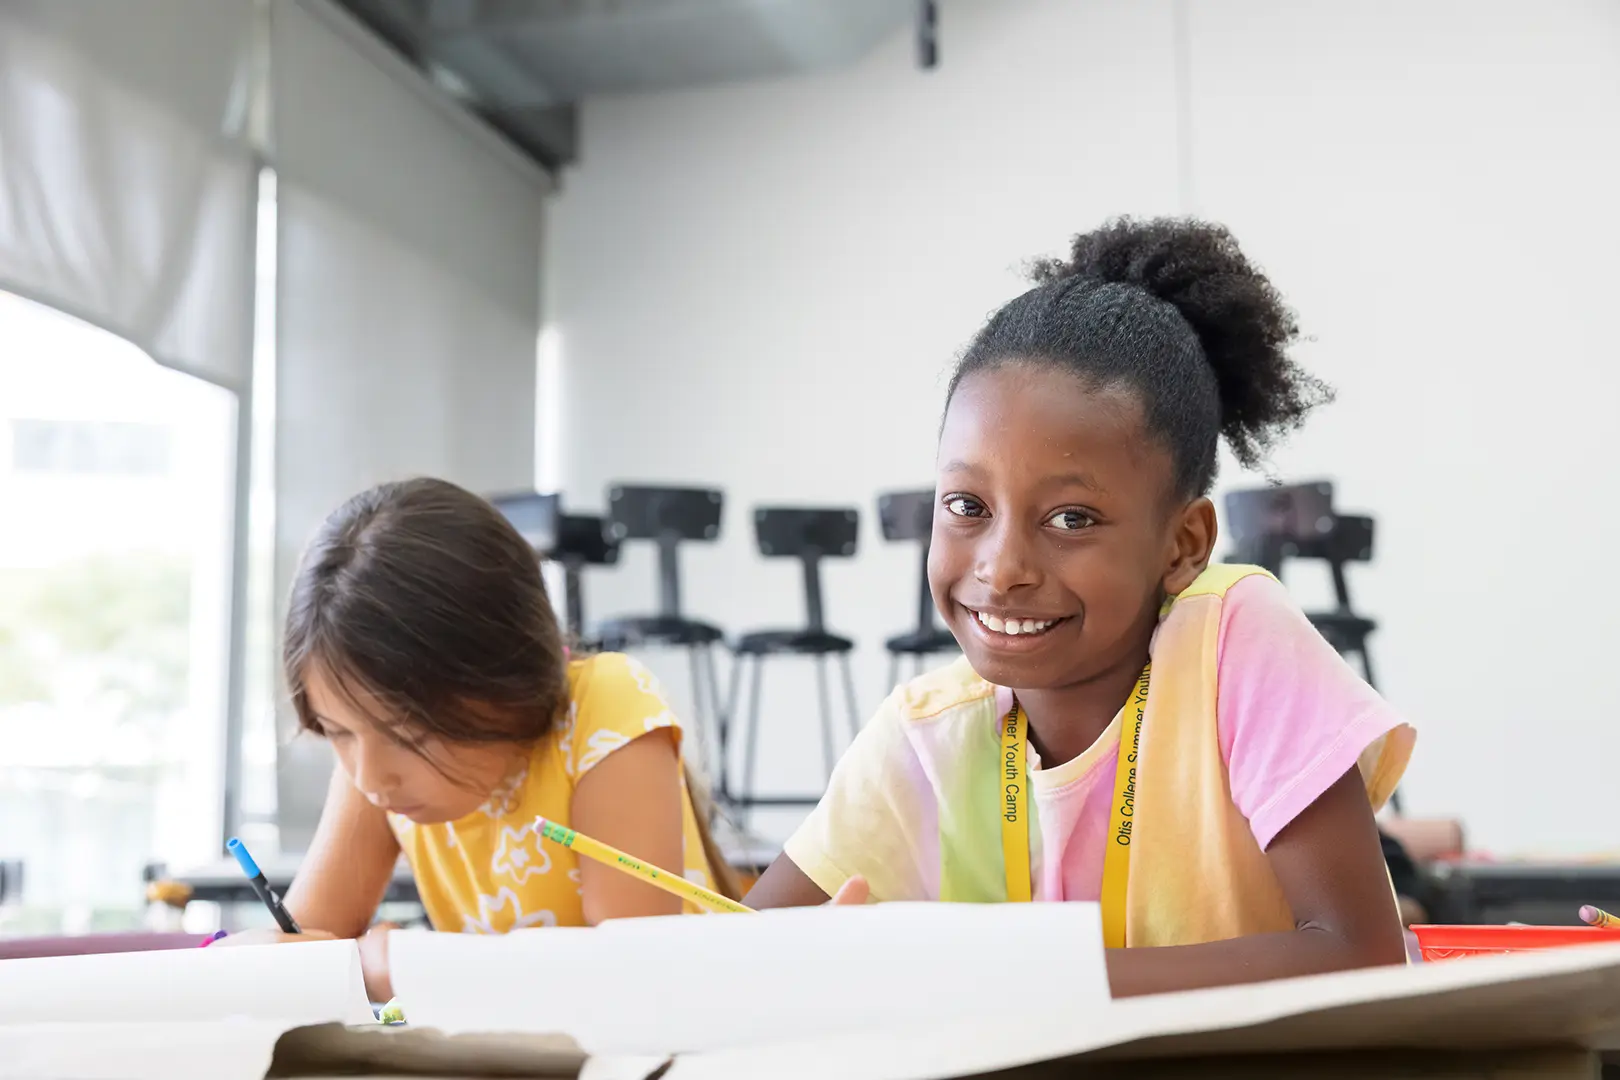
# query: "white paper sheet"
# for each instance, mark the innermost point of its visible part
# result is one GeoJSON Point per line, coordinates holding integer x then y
{"type": "Point", "coordinates": [658, 986]}
{"type": "Point", "coordinates": [303, 983]}
{"type": "Point", "coordinates": [198, 1050]}
{"type": "Point", "coordinates": [1556, 997]}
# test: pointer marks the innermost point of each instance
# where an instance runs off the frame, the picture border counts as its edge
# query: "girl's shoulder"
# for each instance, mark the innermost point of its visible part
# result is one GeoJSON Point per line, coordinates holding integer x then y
{"type": "Point", "coordinates": [609, 677]}
{"type": "Point", "coordinates": [941, 692]}
{"type": "Point", "coordinates": [613, 699]}
{"type": "Point", "coordinates": [1259, 614]}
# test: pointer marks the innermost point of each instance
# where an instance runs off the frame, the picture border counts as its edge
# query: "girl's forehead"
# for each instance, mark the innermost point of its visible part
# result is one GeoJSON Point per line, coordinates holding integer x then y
{"type": "Point", "coordinates": [340, 695]}
{"type": "Point", "coordinates": [1032, 424]}
{"type": "Point", "coordinates": [1065, 411]}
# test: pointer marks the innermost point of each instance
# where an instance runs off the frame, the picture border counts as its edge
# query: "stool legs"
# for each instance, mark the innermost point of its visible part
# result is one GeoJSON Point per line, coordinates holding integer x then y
{"type": "Point", "coordinates": [849, 698]}
{"type": "Point", "coordinates": [828, 754]}
{"type": "Point", "coordinates": [718, 705]}
{"type": "Point", "coordinates": [726, 719]}
{"type": "Point", "coordinates": [1366, 666]}
{"type": "Point", "coordinates": [751, 732]}
{"type": "Point", "coordinates": [701, 715]}
{"type": "Point", "coordinates": [743, 797]}
{"type": "Point", "coordinates": [919, 666]}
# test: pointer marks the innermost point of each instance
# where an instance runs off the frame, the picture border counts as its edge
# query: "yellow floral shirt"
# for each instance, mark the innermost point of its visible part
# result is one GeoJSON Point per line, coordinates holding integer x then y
{"type": "Point", "coordinates": [491, 872]}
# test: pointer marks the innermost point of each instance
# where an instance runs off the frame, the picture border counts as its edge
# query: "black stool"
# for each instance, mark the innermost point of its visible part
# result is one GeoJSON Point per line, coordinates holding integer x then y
{"type": "Point", "coordinates": [1271, 526]}
{"type": "Point", "coordinates": [1274, 525]}
{"type": "Point", "coordinates": [669, 515]}
{"type": "Point", "coordinates": [573, 540]}
{"type": "Point", "coordinates": [906, 516]}
{"type": "Point", "coordinates": [809, 536]}
{"type": "Point", "coordinates": [11, 881]}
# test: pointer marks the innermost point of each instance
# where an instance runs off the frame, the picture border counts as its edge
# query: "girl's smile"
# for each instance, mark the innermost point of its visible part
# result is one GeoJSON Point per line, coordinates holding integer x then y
{"type": "Point", "coordinates": [1011, 632]}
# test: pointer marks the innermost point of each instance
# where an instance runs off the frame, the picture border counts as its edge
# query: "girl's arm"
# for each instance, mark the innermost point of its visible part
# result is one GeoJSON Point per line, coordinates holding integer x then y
{"type": "Point", "coordinates": [784, 885]}
{"type": "Point", "coordinates": [351, 859]}
{"type": "Point", "coordinates": [1331, 868]}
{"type": "Point", "coordinates": [340, 883]}
{"type": "Point", "coordinates": [632, 800]}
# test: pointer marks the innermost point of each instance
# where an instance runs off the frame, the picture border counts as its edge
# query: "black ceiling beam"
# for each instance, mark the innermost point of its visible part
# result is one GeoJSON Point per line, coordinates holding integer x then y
{"type": "Point", "coordinates": [549, 134]}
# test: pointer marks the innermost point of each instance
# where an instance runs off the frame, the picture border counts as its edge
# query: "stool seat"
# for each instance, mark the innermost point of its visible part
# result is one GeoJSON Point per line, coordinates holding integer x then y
{"type": "Point", "coordinates": [1342, 621]}
{"type": "Point", "coordinates": [922, 643]}
{"type": "Point", "coordinates": [629, 631]}
{"type": "Point", "coordinates": [792, 643]}
{"type": "Point", "coordinates": [1344, 631]}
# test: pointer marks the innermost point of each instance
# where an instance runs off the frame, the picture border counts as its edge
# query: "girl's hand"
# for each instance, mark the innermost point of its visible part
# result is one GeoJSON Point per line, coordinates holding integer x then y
{"type": "Point", "coordinates": [785, 885]}
{"type": "Point", "coordinates": [854, 891]}
{"type": "Point", "coordinates": [374, 962]}
{"type": "Point", "coordinates": [270, 936]}
{"type": "Point", "coordinates": [373, 951]}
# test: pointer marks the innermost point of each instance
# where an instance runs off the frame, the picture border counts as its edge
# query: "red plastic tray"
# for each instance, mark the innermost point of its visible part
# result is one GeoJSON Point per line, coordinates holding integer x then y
{"type": "Point", "coordinates": [1455, 942]}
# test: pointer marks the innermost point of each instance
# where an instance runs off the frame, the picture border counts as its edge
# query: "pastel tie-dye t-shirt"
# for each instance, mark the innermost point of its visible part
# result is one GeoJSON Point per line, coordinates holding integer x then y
{"type": "Point", "coordinates": [1293, 717]}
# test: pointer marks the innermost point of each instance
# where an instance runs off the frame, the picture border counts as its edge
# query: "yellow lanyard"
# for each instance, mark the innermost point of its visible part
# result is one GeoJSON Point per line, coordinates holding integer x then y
{"type": "Point", "coordinates": [1117, 856]}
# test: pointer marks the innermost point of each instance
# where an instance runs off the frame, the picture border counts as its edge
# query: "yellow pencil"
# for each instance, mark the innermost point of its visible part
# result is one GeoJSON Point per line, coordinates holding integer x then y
{"type": "Point", "coordinates": [1600, 918]}
{"type": "Point", "coordinates": [662, 879]}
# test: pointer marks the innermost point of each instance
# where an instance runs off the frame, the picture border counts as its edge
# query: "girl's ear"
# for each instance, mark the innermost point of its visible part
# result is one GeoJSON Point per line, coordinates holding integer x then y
{"type": "Point", "coordinates": [1191, 540]}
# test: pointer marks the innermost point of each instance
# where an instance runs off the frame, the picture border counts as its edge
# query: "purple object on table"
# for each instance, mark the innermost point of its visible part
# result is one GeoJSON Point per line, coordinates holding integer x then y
{"type": "Point", "coordinates": [23, 948]}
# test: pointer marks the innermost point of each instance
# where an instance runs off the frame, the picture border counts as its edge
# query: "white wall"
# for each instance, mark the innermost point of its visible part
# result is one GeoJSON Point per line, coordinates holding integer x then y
{"type": "Point", "coordinates": [408, 244]}
{"type": "Point", "coordinates": [764, 286]}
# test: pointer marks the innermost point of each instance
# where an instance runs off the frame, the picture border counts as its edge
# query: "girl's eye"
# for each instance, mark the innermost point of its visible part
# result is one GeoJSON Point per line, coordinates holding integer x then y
{"type": "Point", "coordinates": [1070, 520]}
{"type": "Point", "coordinates": [332, 734]}
{"type": "Point", "coordinates": [963, 506]}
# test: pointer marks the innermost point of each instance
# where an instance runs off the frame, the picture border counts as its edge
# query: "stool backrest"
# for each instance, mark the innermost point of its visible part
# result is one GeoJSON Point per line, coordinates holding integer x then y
{"type": "Point", "coordinates": [582, 539]}
{"type": "Point", "coordinates": [809, 536]}
{"type": "Point", "coordinates": [574, 540]}
{"type": "Point", "coordinates": [666, 515]}
{"type": "Point", "coordinates": [534, 514]}
{"type": "Point", "coordinates": [909, 515]}
{"type": "Point", "coordinates": [1272, 525]}
{"type": "Point", "coordinates": [1269, 524]}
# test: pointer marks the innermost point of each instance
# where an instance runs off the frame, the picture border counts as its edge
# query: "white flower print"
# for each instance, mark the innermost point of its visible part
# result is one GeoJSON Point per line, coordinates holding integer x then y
{"type": "Point", "coordinates": [646, 681]}
{"type": "Point", "coordinates": [520, 854]}
{"type": "Point", "coordinates": [565, 740]}
{"type": "Point", "coordinates": [505, 798]}
{"type": "Point", "coordinates": [488, 906]}
{"type": "Point", "coordinates": [662, 720]}
{"type": "Point", "coordinates": [600, 745]}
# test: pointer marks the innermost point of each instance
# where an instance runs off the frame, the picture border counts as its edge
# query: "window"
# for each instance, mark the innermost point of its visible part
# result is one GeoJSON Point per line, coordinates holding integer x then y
{"type": "Point", "coordinates": [78, 446]}
{"type": "Point", "coordinates": [115, 482]}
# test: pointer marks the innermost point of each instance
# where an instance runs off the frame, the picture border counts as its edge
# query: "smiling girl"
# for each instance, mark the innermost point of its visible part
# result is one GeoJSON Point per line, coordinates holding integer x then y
{"type": "Point", "coordinates": [1129, 724]}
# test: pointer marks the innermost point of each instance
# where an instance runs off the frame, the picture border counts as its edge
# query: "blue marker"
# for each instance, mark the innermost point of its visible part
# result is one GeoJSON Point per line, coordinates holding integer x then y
{"type": "Point", "coordinates": [260, 886]}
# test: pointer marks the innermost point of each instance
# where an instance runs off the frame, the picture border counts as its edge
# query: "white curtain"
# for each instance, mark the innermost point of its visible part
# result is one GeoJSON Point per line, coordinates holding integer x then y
{"type": "Point", "coordinates": [407, 297]}
{"type": "Point", "coordinates": [126, 178]}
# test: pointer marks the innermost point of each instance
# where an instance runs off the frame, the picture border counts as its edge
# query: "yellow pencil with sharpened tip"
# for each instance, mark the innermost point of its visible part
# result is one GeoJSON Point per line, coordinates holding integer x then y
{"type": "Point", "coordinates": [1598, 917]}
{"type": "Point", "coordinates": [674, 884]}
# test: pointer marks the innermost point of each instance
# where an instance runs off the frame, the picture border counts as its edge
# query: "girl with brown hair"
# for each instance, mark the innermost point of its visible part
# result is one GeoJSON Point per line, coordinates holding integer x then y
{"type": "Point", "coordinates": [421, 644]}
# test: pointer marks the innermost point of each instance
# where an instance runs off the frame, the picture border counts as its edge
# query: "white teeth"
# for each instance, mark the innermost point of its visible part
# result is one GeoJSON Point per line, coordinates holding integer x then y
{"type": "Point", "coordinates": [1013, 627]}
